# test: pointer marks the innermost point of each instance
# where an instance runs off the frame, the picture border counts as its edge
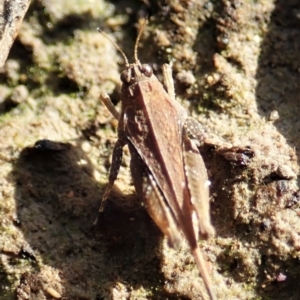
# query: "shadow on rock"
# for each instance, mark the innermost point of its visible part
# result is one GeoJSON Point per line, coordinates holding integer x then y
{"type": "Point", "coordinates": [57, 201]}
{"type": "Point", "coordinates": [278, 70]}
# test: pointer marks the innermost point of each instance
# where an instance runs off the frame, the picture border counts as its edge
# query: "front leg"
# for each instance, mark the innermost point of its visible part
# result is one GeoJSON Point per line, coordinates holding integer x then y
{"type": "Point", "coordinates": [109, 105]}
{"type": "Point", "coordinates": [168, 80]}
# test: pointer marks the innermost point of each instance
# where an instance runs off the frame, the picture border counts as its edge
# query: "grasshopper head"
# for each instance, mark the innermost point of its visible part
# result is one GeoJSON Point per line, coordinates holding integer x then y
{"type": "Point", "coordinates": [135, 73]}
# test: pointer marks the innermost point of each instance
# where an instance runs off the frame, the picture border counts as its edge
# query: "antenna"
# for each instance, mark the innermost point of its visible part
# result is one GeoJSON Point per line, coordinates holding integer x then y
{"type": "Point", "coordinates": [138, 39]}
{"type": "Point", "coordinates": [118, 48]}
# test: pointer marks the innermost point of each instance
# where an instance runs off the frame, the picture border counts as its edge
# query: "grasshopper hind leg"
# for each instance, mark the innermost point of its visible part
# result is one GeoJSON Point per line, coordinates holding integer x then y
{"type": "Point", "coordinates": [201, 264]}
{"type": "Point", "coordinates": [197, 183]}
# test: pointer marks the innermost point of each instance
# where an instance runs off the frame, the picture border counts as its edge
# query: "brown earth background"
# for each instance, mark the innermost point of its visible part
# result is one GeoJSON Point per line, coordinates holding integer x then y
{"type": "Point", "coordinates": [236, 66]}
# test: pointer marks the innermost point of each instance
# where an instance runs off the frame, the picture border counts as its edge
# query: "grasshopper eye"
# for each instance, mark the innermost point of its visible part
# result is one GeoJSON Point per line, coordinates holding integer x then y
{"type": "Point", "coordinates": [147, 70]}
{"type": "Point", "coordinates": [126, 76]}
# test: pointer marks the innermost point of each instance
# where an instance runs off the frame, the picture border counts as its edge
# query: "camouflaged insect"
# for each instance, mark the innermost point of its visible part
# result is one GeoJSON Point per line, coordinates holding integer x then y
{"type": "Point", "coordinates": [168, 172]}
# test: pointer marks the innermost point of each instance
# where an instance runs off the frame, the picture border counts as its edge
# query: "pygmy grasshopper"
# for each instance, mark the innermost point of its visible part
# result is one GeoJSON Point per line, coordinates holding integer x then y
{"type": "Point", "coordinates": [167, 169]}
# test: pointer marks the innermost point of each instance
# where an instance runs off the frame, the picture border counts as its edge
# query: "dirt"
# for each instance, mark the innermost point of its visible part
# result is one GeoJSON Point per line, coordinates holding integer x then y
{"type": "Point", "coordinates": [236, 67]}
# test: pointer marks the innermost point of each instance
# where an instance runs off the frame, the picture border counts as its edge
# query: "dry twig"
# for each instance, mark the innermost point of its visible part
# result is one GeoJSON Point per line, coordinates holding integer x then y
{"type": "Point", "coordinates": [12, 13]}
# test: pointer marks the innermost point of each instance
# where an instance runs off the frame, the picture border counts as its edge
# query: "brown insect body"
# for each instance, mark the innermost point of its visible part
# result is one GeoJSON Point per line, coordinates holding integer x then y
{"type": "Point", "coordinates": [153, 124]}
{"type": "Point", "coordinates": [168, 172]}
